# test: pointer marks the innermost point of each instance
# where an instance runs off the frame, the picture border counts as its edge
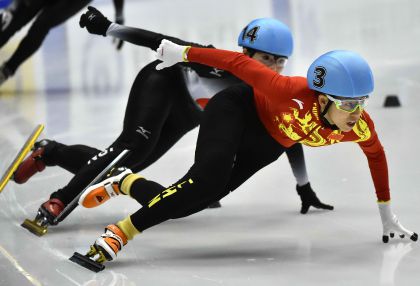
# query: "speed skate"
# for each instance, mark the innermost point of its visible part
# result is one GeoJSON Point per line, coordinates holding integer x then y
{"type": "Point", "coordinates": [20, 156]}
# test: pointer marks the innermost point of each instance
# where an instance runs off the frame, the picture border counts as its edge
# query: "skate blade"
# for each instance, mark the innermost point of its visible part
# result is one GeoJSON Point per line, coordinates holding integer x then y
{"type": "Point", "coordinates": [20, 156]}
{"type": "Point", "coordinates": [34, 227]}
{"type": "Point", "coordinates": [86, 262]}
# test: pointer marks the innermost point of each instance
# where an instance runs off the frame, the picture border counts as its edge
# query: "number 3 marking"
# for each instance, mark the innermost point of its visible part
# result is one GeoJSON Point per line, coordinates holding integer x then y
{"type": "Point", "coordinates": [320, 73]}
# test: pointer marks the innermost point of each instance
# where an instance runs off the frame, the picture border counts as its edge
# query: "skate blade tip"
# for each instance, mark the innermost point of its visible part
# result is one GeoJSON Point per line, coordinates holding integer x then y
{"type": "Point", "coordinates": [86, 262]}
{"type": "Point", "coordinates": [33, 227]}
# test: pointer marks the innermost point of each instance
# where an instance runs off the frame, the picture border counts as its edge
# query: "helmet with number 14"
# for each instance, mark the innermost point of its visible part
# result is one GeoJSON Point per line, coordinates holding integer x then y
{"type": "Point", "coordinates": [268, 41]}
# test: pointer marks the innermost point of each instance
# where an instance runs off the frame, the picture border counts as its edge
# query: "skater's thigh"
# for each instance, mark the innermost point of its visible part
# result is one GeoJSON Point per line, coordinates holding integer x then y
{"type": "Point", "coordinates": [258, 149]}
{"type": "Point", "coordinates": [149, 103]}
{"type": "Point", "coordinates": [220, 138]}
{"type": "Point", "coordinates": [171, 133]}
{"type": "Point", "coordinates": [222, 124]}
{"type": "Point", "coordinates": [247, 164]}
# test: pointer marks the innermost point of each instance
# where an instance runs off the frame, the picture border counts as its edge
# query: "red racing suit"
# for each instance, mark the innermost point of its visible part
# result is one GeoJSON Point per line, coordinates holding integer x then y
{"type": "Point", "coordinates": [290, 111]}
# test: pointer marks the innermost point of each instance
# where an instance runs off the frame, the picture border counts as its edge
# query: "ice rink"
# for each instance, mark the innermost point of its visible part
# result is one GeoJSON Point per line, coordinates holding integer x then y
{"type": "Point", "coordinates": [258, 237]}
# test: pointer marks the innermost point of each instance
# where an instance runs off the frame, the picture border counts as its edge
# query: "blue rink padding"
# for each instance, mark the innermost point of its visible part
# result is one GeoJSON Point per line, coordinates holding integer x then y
{"type": "Point", "coordinates": [4, 3]}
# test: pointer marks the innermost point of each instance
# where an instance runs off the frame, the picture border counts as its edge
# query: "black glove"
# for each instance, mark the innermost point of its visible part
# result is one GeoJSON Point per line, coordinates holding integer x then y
{"type": "Point", "coordinates": [309, 198]}
{"type": "Point", "coordinates": [94, 21]}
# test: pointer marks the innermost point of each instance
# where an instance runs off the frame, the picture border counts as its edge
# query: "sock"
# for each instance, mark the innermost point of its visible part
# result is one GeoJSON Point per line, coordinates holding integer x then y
{"type": "Point", "coordinates": [128, 182]}
{"type": "Point", "coordinates": [128, 228]}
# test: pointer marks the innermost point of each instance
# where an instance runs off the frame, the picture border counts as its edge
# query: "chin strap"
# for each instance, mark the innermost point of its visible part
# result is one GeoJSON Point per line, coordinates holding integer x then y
{"type": "Point", "coordinates": [324, 120]}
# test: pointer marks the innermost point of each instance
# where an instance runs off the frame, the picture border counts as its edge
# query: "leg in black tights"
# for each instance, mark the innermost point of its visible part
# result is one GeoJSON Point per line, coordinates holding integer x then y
{"type": "Point", "coordinates": [157, 103]}
{"type": "Point", "coordinates": [22, 14]}
{"type": "Point", "coordinates": [53, 14]}
{"type": "Point", "coordinates": [69, 157]}
{"type": "Point", "coordinates": [230, 128]}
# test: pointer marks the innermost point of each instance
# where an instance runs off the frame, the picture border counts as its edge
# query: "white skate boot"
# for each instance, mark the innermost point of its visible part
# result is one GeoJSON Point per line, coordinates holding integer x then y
{"type": "Point", "coordinates": [108, 244]}
{"type": "Point", "coordinates": [104, 249]}
{"type": "Point", "coordinates": [99, 193]}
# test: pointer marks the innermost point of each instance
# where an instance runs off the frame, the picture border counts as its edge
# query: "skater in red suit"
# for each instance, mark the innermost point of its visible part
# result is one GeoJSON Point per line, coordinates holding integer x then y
{"type": "Point", "coordinates": [245, 128]}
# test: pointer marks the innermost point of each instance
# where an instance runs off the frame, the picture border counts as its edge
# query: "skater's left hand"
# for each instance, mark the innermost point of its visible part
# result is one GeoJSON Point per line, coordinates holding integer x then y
{"type": "Point", "coordinates": [391, 225]}
{"type": "Point", "coordinates": [94, 21]}
{"type": "Point", "coordinates": [309, 198]}
{"type": "Point", "coordinates": [170, 53]}
{"type": "Point", "coordinates": [119, 19]}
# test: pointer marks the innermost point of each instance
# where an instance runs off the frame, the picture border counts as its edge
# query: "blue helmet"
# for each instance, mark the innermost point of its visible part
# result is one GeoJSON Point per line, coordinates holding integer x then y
{"type": "Point", "coordinates": [341, 73]}
{"type": "Point", "coordinates": [267, 35]}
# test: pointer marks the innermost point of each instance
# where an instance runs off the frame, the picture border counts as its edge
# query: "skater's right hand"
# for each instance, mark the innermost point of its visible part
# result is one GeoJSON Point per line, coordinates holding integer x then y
{"type": "Point", "coordinates": [94, 21]}
{"type": "Point", "coordinates": [391, 225]}
{"type": "Point", "coordinates": [170, 53]}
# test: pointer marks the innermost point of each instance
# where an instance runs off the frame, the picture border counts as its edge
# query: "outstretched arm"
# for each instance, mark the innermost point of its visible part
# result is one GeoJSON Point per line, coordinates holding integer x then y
{"type": "Point", "coordinates": [254, 73]}
{"type": "Point", "coordinates": [96, 23]}
{"type": "Point", "coordinates": [379, 172]}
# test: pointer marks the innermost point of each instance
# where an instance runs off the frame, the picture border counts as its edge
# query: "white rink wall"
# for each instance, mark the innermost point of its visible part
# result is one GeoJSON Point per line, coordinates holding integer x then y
{"type": "Point", "coordinates": [385, 32]}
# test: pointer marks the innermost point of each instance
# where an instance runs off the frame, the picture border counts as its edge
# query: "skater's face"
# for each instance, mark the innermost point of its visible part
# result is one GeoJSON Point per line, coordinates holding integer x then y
{"type": "Point", "coordinates": [344, 113]}
{"type": "Point", "coordinates": [273, 62]}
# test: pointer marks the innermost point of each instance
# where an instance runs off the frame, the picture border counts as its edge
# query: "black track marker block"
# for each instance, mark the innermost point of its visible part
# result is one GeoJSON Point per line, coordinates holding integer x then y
{"type": "Point", "coordinates": [86, 262]}
{"type": "Point", "coordinates": [392, 101]}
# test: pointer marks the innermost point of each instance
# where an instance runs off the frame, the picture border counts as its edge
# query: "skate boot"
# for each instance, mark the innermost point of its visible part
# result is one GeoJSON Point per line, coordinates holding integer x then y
{"type": "Point", "coordinates": [46, 215]}
{"type": "Point", "coordinates": [104, 249]}
{"type": "Point", "coordinates": [100, 193]}
{"type": "Point", "coordinates": [109, 243]}
{"type": "Point", "coordinates": [32, 164]}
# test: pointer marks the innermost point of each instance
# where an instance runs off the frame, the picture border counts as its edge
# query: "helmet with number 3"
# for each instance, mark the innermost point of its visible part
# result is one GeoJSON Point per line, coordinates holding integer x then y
{"type": "Point", "coordinates": [341, 73]}
{"type": "Point", "coordinates": [267, 35]}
